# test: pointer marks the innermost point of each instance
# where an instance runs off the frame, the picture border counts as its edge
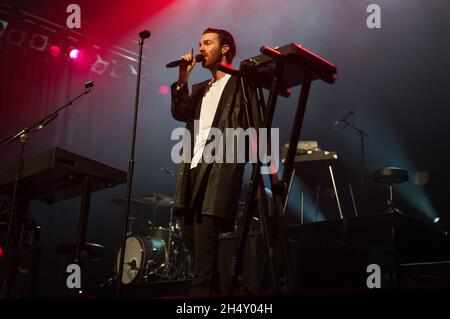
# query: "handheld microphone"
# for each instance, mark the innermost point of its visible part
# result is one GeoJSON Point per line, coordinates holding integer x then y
{"type": "Point", "coordinates": [174, 64]}
{"type": "Point", "coordinates": [88, 84]}
{"type": "Point", "coordinates": [349, 113]}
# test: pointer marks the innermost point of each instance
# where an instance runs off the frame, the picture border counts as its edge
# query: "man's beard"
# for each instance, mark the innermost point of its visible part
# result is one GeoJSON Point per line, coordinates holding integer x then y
{"type": "Point", "coordinates": [211, 62]}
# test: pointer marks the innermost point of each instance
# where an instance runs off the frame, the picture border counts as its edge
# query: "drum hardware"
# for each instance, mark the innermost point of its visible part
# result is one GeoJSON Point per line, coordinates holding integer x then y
{"type": "Point", "coordinates": [157, 199]}
{"type": "Point", "coordinates": [130, 225]}
{"type": "Point", "coordinates": [151, 259]}
{"type": "Point", "coordinates": [136, 208]}
{"type": "Point", "coordinates": [136, 204]}
{"type": "Point", "coordinates": [159, 256]}
{"type": "Point", "coordinates": [145, 258]}
{"type": "Point", "coordinates": [168, 171]}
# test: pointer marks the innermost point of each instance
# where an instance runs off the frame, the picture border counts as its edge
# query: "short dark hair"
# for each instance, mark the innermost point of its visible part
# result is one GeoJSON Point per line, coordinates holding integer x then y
{"type": "Point", "coordinates": [225, 37]}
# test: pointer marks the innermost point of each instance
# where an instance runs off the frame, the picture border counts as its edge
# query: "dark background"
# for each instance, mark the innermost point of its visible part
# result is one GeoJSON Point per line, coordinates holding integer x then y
{"type": "Point", "coordinates": [396, 79]}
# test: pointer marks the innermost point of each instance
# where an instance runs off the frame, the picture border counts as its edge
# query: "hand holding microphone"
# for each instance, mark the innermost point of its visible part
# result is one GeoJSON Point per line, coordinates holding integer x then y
{"type": "Point", "coordinates": [186, 68]}
{"type": "Point", "coordinates": [186, 63]}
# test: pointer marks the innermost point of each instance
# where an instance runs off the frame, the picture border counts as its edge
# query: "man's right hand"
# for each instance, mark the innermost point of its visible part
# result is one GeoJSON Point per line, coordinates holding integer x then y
{"type": "Point", "coordinates": [186, 69]}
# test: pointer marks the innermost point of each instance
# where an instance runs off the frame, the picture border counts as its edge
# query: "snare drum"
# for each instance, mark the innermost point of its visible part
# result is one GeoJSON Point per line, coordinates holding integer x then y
{"type": "Point", "coordinates": [144, 257]}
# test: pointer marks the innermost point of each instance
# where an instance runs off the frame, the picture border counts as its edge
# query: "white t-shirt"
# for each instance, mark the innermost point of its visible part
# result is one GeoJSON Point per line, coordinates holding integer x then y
{"type": "Point", "coordinates": [210, 102]}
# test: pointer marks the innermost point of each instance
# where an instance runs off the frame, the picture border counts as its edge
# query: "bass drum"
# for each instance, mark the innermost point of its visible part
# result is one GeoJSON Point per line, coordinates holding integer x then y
{"type": "Point", "coordinates": [145, 257]}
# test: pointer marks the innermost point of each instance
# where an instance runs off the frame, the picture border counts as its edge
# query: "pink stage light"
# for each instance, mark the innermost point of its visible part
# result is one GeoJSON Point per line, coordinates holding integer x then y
{"type": "Point", "coordinates": [164, 89]}
{"type": "Point", "coordinates": [75, 54]}
{"type": "Point", "coordinates": [54, 50]}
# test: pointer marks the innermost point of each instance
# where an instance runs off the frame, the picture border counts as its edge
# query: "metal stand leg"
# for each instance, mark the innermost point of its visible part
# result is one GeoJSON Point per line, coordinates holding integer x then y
{"type": "Point", "coordinates": [316, 210]}
{"type": "Point", "coordinates": [302, 200]}
{"type": "Point", "coordinates": [80, 251]}
{"type": "Point", "coordinates": [170, 268]}
{"type": "Point", "coordinates": [353, 200]}
{"type": "Point", "coordinates": [279, 190]}
{"type": "Point", "coordinates": [15, 222]}
{"type": "Point", "coordinates": [391, 198]}
{"type": "Point", "coordinates": [256, 188]}
{"type": "Point", "coordinates": [336, 192]}
{"type": "Point", "coordinates": [12, 262]}
{"type": "Point", "coordinates": [395, 239]}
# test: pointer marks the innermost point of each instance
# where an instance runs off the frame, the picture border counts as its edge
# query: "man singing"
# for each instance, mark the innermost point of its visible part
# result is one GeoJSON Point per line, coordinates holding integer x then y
{"type": "Point", "coordinates": [206, 195]}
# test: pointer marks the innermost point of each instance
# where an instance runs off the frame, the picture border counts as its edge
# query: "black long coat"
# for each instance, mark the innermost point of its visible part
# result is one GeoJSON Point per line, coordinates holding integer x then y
{"type": "Point", "coordinates": [223, 180]}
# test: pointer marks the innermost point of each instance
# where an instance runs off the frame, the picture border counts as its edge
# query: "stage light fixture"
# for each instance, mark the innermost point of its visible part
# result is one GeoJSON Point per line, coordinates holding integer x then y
{"type": "Point", "coordinates": [39, 42]}
{"type": "Point", "coordinates": [3, 26]}
{"type": "Point", "coordinates": [54, 50]}
{"type": "Point", "coordinates": [100, 65]}
{"type": "Point", "coordinates": [16, 37]}
{"type": "Point", "coordinates": [164, 89]}
{"type": "Point", "coordinates": [132, 69]}
{"type": "Point", "coordinates": [75, 54]}
{"type": "Point", "coordinates": [118, 69]}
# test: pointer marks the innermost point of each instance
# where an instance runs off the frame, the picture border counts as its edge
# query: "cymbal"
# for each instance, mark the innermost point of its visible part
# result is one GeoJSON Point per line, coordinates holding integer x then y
{"type": "Point", "coordinates": [135, 204]}
{"type": "Point", "coordinates": [157, 199]}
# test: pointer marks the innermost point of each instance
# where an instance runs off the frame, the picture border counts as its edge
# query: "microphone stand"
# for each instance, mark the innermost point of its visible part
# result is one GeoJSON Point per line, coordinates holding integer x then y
{"type": "Point", "coordinates": [362, 135]}
{"type": "Point", "coordinates": [142, 35]}
{"type": "Point", "coordinates": [23, 135]}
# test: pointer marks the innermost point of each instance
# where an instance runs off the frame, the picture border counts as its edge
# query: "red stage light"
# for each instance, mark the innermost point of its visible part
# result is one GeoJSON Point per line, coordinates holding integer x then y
{"type": "Point", "coordinates": [54, 50]}
{"type": "Point", "coordinates": [164, 89]}
{"type": "Point", "coordinates": [75, 54]}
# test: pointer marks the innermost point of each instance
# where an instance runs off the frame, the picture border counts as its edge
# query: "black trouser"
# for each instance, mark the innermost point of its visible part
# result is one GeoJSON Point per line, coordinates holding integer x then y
{"type": "Point", "coordinates": [201, 237]}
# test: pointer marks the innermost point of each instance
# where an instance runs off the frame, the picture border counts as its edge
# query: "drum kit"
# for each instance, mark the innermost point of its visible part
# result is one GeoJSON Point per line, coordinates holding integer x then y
{"type": "Point", "coordinates": [160, 255]}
